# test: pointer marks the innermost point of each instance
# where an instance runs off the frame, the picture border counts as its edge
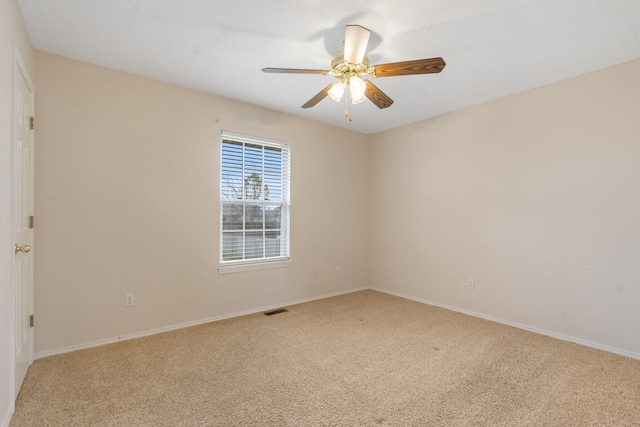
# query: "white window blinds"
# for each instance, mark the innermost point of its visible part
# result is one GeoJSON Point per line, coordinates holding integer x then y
{"type": "Point", "coordinates": [254, 200]}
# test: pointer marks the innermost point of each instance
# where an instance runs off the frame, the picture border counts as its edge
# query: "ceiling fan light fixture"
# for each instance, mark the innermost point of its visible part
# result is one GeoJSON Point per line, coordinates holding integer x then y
{"type": "Point", "coordinates": [336, 91]}
{"type": "Point", "coordinates": [357, 87]}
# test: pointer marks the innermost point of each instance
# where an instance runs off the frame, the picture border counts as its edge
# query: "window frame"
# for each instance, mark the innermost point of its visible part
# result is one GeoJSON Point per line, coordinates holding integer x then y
{"type": "Point", "coordinates": [264, 262]}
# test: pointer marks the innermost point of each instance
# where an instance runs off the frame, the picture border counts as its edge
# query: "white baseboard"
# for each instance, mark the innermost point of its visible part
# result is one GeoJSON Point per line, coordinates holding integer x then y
{"type": "Point", "coordinates": [544, 332]}
{"type": "Point", "coordinates": [141, 334]}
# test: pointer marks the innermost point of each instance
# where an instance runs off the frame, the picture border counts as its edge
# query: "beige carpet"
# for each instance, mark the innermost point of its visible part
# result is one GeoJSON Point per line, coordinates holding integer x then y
{"type": "Point", "coordinates": [362, 359]}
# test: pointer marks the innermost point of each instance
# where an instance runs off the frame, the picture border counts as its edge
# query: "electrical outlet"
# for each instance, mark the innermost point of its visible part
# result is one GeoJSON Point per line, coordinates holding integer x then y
{"type": "Point", "coordinates": [314, 273]}
{"type": "Point", "coordinates": [129, 300]}
{"type": "Point", "coordinates": [471, 284]}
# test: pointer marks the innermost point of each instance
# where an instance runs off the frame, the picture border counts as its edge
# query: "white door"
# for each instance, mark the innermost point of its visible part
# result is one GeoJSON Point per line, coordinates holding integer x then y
{"type": "Point", "coordinates": [23, 225]}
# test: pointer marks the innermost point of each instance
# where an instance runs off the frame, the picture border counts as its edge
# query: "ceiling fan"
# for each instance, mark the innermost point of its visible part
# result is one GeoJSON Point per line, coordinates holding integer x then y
{"type": "Point", "coordinates": [351, 66]}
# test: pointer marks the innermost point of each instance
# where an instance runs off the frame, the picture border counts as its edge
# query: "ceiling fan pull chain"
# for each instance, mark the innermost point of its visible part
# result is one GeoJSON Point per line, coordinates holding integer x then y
{"type": "Point", "coordinates": [346, 105]}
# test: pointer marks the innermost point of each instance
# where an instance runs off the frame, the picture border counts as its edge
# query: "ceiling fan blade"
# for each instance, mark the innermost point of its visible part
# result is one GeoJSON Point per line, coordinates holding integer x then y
{"type": "Point", "coordinates": [419, 66]}
{"type": "Point", "coordinates": [319, 97]}
{"type": "Point", "coordinates": [293, 71]}
{"type": "Point", "coordinates": [355, 43]}
{"type": "Point", "coordinates": [377, 96]}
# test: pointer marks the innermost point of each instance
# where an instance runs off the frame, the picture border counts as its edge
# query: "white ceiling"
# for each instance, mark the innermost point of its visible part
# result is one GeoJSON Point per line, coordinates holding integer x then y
{"type": "Point", "coordinates": [492, 47]}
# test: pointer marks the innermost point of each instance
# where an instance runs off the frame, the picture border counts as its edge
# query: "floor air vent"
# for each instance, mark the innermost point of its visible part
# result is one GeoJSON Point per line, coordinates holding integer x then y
{"type": "Point", "coordinates": [278, 311]}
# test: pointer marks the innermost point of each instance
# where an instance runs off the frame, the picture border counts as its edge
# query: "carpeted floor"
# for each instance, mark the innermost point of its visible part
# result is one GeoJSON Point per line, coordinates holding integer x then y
{"type": "Point", "coordinates": [361, 359]}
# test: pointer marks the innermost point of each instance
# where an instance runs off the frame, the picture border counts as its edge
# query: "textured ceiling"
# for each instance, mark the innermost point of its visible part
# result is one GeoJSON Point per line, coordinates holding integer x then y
{"type": "Point", "coordinates": [492, 47]}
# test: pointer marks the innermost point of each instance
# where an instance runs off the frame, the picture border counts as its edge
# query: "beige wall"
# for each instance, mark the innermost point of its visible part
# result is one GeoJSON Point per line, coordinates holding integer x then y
{"type": "Point", "coordinates": [13, 37]}
{"type": "Point", "coordinates": [127, 187]}
{"type": "Point", "coordinates": [536, 196]}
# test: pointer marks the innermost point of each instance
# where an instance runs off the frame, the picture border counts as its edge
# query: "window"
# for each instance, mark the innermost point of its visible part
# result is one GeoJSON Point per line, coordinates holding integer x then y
{"type": "Point", "coordinates": [254, 203]}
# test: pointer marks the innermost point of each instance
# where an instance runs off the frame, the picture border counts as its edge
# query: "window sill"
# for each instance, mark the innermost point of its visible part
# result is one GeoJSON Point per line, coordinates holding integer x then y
{"type": "Point", "coordinates": [263, 265]}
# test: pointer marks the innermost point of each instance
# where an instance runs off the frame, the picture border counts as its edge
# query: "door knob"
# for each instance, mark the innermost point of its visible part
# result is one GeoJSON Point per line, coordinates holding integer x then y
{"type": "Point", "coordinates": [23, 248]}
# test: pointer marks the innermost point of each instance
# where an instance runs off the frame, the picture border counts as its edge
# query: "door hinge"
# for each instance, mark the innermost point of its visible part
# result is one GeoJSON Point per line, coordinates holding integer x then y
{"type": "Point", "coordinates": [31, 221]}
{"type": "Point", "coordinates": [31, 122]}
{"type": "Point", "coordinates": [31, 321]}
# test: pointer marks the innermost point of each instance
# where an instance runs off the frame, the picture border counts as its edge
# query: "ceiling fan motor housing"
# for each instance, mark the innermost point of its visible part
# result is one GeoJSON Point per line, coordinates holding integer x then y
{"type": "Point", "coordinates": [343, 70]}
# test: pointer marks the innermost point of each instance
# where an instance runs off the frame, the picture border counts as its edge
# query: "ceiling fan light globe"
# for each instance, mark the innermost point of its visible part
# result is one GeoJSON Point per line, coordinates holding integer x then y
{"type": "Point", "coordinates": [336, 91]}
{"type": "Point", "coordinates": [358, 99]}
{"type": "Point", "coordinates": [357, 87]}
